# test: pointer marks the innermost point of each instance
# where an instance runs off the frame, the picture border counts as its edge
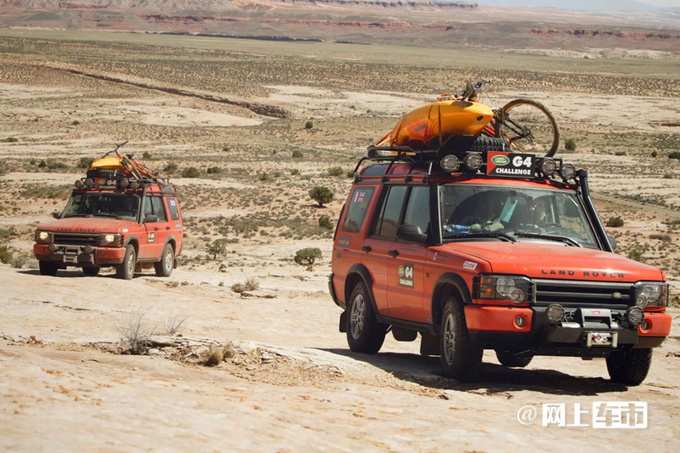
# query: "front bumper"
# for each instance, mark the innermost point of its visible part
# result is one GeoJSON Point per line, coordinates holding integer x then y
{"type": "Point", "coordinates": [68, 255]}
{"type": "Point", "coordinates": [529, 329]}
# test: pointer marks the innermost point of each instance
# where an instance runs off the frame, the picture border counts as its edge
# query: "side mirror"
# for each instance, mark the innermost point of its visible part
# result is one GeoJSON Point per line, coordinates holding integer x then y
{"type": "Point", "coordinates": [411, 233]}
{"type": "Point", "coordinates": [612, 241]}
{"type": "Point", "coordinates": [56, 214]}
{"type": "Point", "coordinates": [151, 218]}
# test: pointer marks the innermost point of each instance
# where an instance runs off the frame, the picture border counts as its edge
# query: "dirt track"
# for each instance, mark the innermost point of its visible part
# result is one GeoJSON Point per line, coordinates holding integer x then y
{"type": "Point", "coordinates": [293, 385]}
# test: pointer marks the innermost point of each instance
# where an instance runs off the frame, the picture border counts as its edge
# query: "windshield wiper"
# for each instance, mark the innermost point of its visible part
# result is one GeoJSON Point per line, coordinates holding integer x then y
{"type": "Point", "coordinates": [551, 237]}
{"type": "Point", "coordinates": [497, 235]}
{"type": "Point", "coordinates": [77, 215]}
{"type": "Point", "coordinates": [106, 214]}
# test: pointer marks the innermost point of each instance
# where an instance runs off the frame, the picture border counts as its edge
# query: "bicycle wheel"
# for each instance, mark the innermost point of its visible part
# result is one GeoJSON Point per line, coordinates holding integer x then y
{"type": "Point", "coordinates": [529, 127]}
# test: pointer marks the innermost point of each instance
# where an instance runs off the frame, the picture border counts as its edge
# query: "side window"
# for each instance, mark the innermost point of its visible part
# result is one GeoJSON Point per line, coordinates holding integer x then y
{"type": "Point", "coordinates": [418, 208]}
{"type": "Point", "coordinates": [172, 206]}
{"type": "Point", "coordinates": [357, 209]}
{"type": "Point", "coordinates": [391, 212]}
{"type": "Point", "coordinates": [154, 206]}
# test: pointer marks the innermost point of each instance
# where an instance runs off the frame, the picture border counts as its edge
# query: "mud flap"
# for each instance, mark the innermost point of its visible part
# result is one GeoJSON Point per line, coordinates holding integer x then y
{"type": "Point", "coordinates": [343, 322]}
{"type": "Point", "coordinates": [429, 345]}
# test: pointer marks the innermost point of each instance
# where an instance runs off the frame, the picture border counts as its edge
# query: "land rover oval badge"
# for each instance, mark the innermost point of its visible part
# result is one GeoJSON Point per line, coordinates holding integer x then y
{"type": "Point", "coordinates": [500, 160]}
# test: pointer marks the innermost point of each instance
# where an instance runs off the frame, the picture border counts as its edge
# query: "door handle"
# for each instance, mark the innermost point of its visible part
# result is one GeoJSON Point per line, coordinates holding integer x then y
{"type": "Point", "coordinates": [167, 227]}
{"type": "Point", "coordinates": [366, 248]}
{"type": "Point", "coordinates": [155, 228]}
{"type": "Point", "coordinates": [393, 253]}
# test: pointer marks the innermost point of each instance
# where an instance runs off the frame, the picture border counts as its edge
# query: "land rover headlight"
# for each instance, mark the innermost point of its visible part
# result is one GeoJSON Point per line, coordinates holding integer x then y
{"type": "Point", "coordinates": [43, 236]}
{"type": "Point", "coordinates": [651, 294]}
{"type": "Point", "coordinates": [109, 239]}
{"type": "Point", "coordinates": [504, 287]}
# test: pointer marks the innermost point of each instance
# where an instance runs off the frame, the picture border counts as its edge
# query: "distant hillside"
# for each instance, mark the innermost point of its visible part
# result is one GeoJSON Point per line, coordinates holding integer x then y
{"type": "Point", "coordinates": [215, 5]}
{"type": "Point", "coordinates": [583, 5]}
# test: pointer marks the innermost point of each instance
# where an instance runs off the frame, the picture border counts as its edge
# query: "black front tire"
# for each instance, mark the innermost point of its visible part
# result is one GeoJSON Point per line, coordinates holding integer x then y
{"type": "Point", "coordinates": [460, 358]}
{"type": "Point", "coordinates": [91, 271]}
{"type": "Point", "coordinates": [126, 269]}
{"type": "Point", "coordinates": [364, 333]}
{"type": "Point", "coordinates": [48, 268]}
{"type": "Point", "coordinates": [630, 367]}
{"type": "Point", "coordinates": [511, 359]}
{"type": "Point", "coordinates": [165, 265]}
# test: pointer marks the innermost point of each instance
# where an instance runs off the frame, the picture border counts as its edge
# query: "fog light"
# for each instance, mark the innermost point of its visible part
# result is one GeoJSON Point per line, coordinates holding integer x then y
{"type": "Point", "coordinates": [52, 248]}
{"type": "Point", "coordinates": [634, 316]}
{"type": "Point", "coordinates": [473, 161]}
{"type": "Point", "coordinates": [450, 163]}
{"type": "Point", "coordinates": [88, 249]}
{"type": "Point", "coordinates": [520, 321]}
{"type": "Point", "coordinates": [547, 166]}
{"type": "Point", "coordinates": [567, 172]}
{"type": "Point", "coordinates": [555, 313]}
{"type": "Point", "coordinates": [644, 325]}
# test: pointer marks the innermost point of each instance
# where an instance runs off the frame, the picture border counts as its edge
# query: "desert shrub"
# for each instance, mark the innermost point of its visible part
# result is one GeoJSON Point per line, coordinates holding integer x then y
{"type": "Point", "coordinates": [217, 248]}
{"type": "Point", "coordinates": [75, 123]}
{"type": "Point", "coordinates": [350, 174]}
{"type": "Point", "coordinates": [620, 153]}
{"type": "Point", "coordinates": [654, 154]}
{"type": "Point", "coordinates": [307, 256]}
{"type": "Point", "coordinates": [146, 155]}
{"type": "Point", "coordinates": [170, 168]}
{"type": "Point", "coordinates": [674, 155]}
{"type": "Point", "coordinates": [5, 254]}
{"type": "Point", "coordinates": [661, 237]}
{"type": "Point", "coordinates": [335, 171]}
{"type": "Point", "coordinates": [325, 222]}
{"type": "Point", "coordinates": [85, 162]}
{"type": "Point", "coordinates": [174, 325]}
{"type": "Point", "coordinates": [18, 262]}
{"type": "Point", "coordinates": [570, 144]}
{"type": "Point", "coordinates": [309, 125]}
{"type": "Point", "coordinates": [295, 172]}
{"type": "Point", "coordinates": [10, 140]}
{"type": "Point", "coordinates": [250, 284]}
{"type": "Point", "coordinates": [297, 154]}
{"type": "Point", "coordinates": [668, 176]}
{"type": "Point", "coordinates": [214, 170]}
{"type": "Point", "coordinates": [135, 334]}
{"type": "Point", "coordinates": [615, 222]}
{"type": "Point", "coordinates": [191, 172]}
{"type": "Point", "coordinates": [52, 164]}
{"type": "Point", "coordinates": [322, 195]}
{"type": "Point", "coordinates": [635, 254]}
{"type": "Point", "coordinates": [264, 177]}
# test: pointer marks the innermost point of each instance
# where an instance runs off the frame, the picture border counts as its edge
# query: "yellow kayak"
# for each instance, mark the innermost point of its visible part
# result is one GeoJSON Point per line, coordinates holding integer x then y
{"type": "Point", "coordinates": [439, 120]}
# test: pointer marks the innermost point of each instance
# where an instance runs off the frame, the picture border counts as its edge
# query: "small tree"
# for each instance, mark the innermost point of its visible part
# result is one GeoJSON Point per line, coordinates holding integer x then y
{"type": "Point", "coordinates": [322, 195]}
{"type": "Point", "coordinates": [217, 248]}
{"type": "Point", "coordinates": [307, 256]}
{"type": "Point", "coordinates": [191, 172]}
{"type": "Point", "coordinates": [325, 222]}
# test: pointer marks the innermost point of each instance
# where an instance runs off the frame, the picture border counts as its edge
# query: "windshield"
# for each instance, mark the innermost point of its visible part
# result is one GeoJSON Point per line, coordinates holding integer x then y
{"type": "Point", "coordinates": [122, 206]}
{"type": "Point", "coordinates": [469, 210]}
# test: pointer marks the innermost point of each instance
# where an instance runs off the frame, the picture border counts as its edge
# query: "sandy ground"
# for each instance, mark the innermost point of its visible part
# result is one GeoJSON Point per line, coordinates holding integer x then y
{"type": "Point", "coordinates": [293, 384]}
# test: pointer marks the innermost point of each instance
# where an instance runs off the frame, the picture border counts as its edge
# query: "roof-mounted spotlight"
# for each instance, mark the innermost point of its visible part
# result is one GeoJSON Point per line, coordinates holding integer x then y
{"type": "Point", "coordinates": [450, 163]}
{"type": "Point", "coordinates": [567, 172]}
{"type": "Point", "coordinates": [473, 161]}
{"type": "Point", "coordinates": [547, 167]}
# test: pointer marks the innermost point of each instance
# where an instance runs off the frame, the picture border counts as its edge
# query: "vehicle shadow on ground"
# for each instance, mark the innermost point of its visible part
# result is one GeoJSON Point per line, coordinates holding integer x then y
{"type": "Point", "coordinates": [491, 379]}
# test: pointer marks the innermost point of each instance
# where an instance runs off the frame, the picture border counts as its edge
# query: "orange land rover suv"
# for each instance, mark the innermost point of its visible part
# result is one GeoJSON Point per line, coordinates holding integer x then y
{"type": "Point", "coordinates": [490, 250]}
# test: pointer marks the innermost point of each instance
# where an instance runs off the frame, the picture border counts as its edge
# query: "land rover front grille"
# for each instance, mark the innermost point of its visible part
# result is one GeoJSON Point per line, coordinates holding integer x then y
{"type": "Point", "coordinates": [578, 293]}
{"type": "Point", "coordinates": [75, 239]}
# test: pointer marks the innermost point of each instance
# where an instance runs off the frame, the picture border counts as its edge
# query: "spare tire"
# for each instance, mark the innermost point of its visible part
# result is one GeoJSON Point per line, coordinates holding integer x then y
{"type": "Point", "coordinates": [480, 143]}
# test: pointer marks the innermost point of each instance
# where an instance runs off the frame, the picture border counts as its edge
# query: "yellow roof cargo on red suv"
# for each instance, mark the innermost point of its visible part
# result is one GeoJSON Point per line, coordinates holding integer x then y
{"type": "Point", "coordinates": [490, 250]}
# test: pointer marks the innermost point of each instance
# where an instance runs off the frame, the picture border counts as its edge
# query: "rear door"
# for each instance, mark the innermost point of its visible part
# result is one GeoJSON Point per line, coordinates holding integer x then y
{"type": "Point", "coordinates": [158, 230]}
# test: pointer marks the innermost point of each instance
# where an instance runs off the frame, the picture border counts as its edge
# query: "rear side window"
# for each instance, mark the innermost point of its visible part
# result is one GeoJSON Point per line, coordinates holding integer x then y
{"type": "Point", "coordinates": [172, 206]}
{"type": "Point", "coordinates": [358, 206]}
{"type": "Point", "coordinates": [390, 216]}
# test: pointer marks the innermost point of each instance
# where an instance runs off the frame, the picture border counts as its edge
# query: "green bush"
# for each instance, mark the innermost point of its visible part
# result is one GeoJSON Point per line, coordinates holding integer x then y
{"type": "Point", "coordinates": [191, 172]}
{"type": "Point", "coordinates": [570, 144]}
{"type": "Point", "coordinates": [674, 155]}
{"type": "Point", "coordinates": [322, 195]}
{"type": "Point", "coordinates": [10, 140]}
{"type": "Point", "coordinates": [654, 154]}
{"type": "Point", "coordinates": [214, 170]}
{"type": "Point", "coordinates": [5, 254]}
{"type": "Point", "coordinates": [85, 162]}
{"type": "Point", "coordinates": [217, 248]}
{"type": "Point", "coordinates": [620, 153]}
{"type": "Point", "coordinates": [170, 168]}
{"type": "Point", "coordinates": [146, 155]}
{"type": "Point", "coordinates": [335, 171]}
{"type": "Point", "coordinates": [307, 256]}
{"type": "Point", "coordinates": [309, 125]}
{"type": "Point", "coordinates": [297, 154]}
{"type": "Point", "coordinates": [52, 164]}
{"type": "Point", "coordinates": [615, 222]}
{"type": "Point", "coordinates": [325, 222]}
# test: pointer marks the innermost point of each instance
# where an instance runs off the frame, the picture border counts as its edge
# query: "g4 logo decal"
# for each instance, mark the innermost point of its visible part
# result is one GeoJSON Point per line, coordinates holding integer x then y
{"type": "Point", "coordinates": [152, 237]}
{"type": "Point", "coordinates": [406, 275]}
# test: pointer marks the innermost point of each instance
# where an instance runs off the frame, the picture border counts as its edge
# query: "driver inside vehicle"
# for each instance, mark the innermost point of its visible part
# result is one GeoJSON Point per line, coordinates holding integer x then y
{"type": "Point", "coordinates": [128, 207]}
{"type": "Point", "coordinates": [485, 212]}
